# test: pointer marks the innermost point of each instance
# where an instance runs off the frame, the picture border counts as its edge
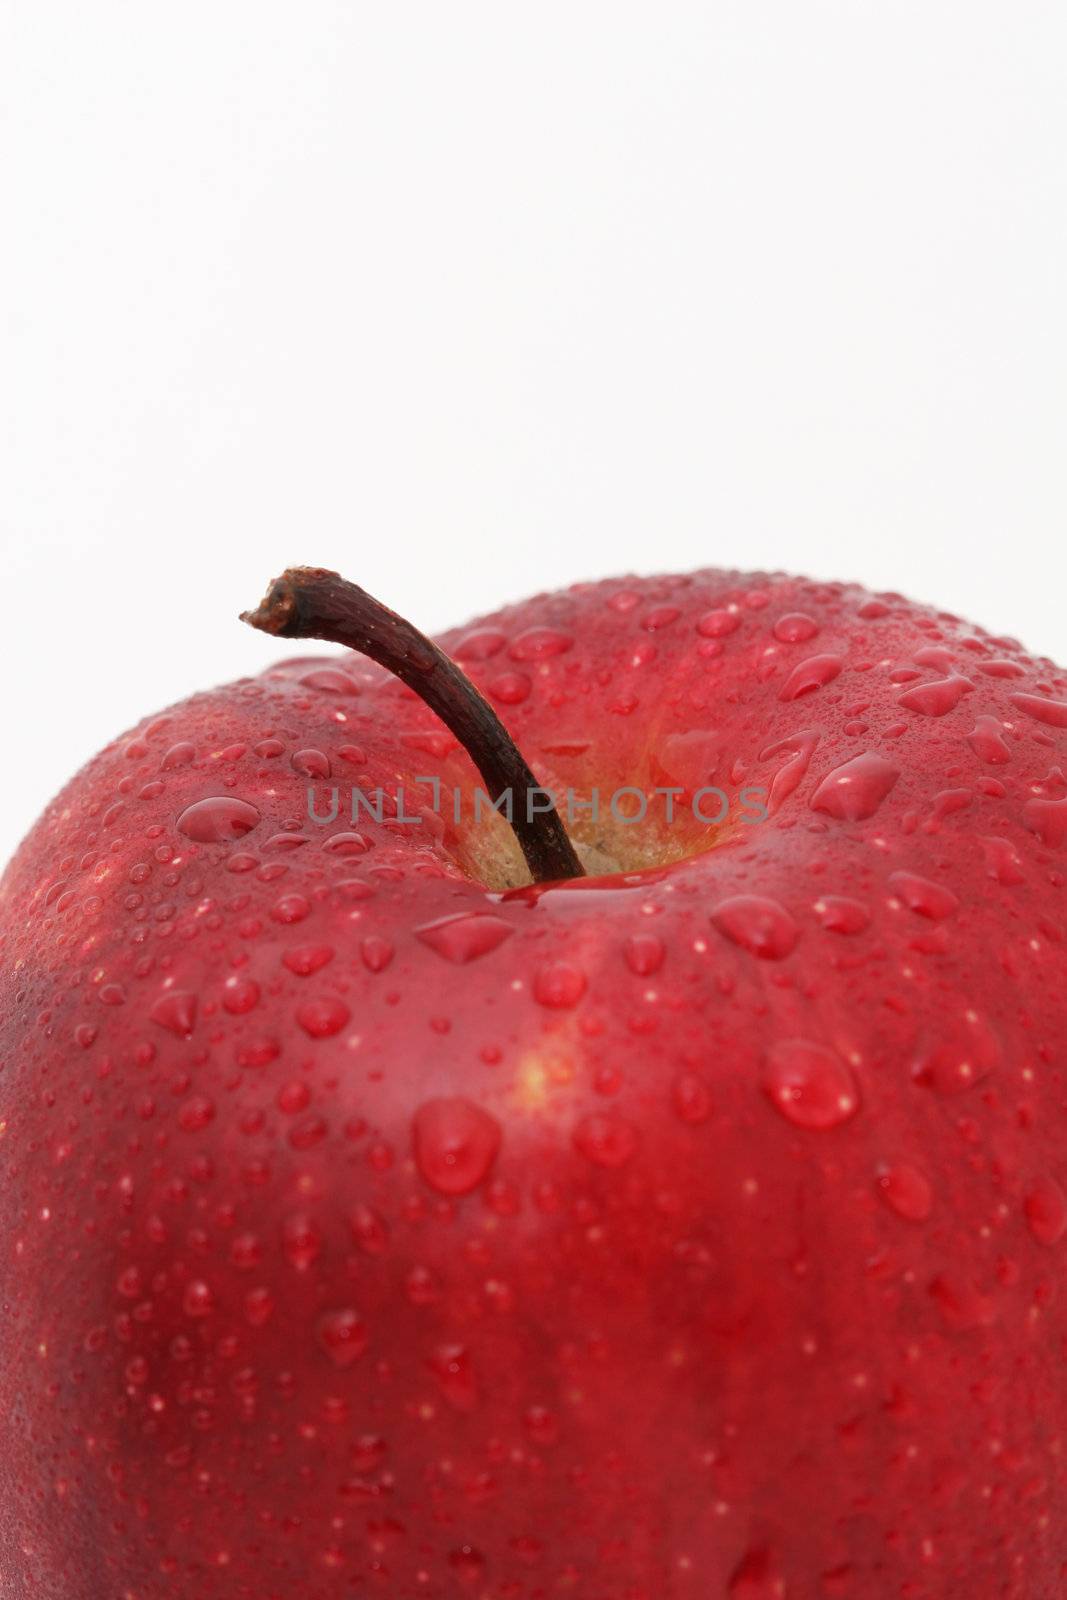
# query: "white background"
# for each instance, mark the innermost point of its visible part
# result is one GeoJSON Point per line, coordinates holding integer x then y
{"type": "Point", "coordinates": [470, 300]}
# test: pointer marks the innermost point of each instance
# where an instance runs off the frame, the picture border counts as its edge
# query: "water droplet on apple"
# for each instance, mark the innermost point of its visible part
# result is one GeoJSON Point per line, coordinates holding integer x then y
{"type": "Point", "coordinates": [1002, 860]}
{"type": "Point", "coordinates": [451, 1366]}
{"type": "Point", "coordinates": [198, 1299]}
{"type": "Point", "coordinates": [927, 899]}
{"type": "Point", "coordinates": [311, 763]}
{"type": "Point", "coordinates": [258, 1306]}
{"type": "Point", "coordinates": [456, 1143]}
{"type": "Point", "coordinates": [343, 1335]}
{"type": "Point", "coordinates": [716, 624]}
{"type": "Point", "coordinates": [290, 908]}
{"type": "Point", "coordinates": [558, 985]}
{"type": "Point", "coordinates": [1045, 1209]}
{"type": "Point", "coordinates": [807, 676]}
{"type": "Point", "coordinates": [963, 1052]}
{"type": "Point", "coordinates": [304, 959]}
{"type": "Point", "coordinates": [644, 953]}
{"type": "Point", "coordinates": [795, 628]}
{"type": "Point", "coordinates": [660, 617]}
{"type": "Point", "coordinates": [853, 791]}
{"type": "Point", "coordinates": [758, 924]}
{"type": "Point", "coordinates": [757, 1578]}
{"type": "Point", "coordinates": [217, 820]}
{"type": "Point", "coordinates": [810, 1085]}
{"type": "Point", "coordinates": [936, 699]}
{"type": "Point", "coordinates": [239, 995]}
{"type": "Point", "coordinates": [840, 914]}
{"type": "Point", "coordinates": [375, 952]}
{"type": "Point", "coordinates": [369, 1231]}
{"type": "Point", "coordinates": [961, 1303]}
{"type": "Point", "coordinates": [468, 1564]}
{"type": "Point", "coordinates": [246, 1251]}
{"type": "Point", "coordinates": [176, 1011]}
{"type": "Point", "coordinates": [323, 1017]}
{"type": "Point", "coordinates": [1053, 713]}
{"type": "Point", "coordinates": [1048, 819]}
{"type": "Point", "coordinates": [606, 1141]}
{"type": "Point", "coordinates": [196, 1113]}
{"type": "Point", "coordinates": [481, 645]}
{"type": "Point", "coordinates": [346, 844]}
{"type": "Point", "coordinates": [465, 937]}
{"type": "Point", "coordinates": [538, 644]}
{"type": "Point", "coordinates": [692, 1098]}
{"type": "Point", "coordinates": [179, 755]}
{"type": "Point", "coordinates": [510, 688]}
{"type": "Point", "coordinates": [258, 1052]}
{"type": "Point", "coordinates": [906, 1190]}
{"type": "Point", "coordinates": [329, 680]}
{"type": "Point", "coordinates": [987, 741]}
{"type": "Point", "coordinates": [301, 1241]}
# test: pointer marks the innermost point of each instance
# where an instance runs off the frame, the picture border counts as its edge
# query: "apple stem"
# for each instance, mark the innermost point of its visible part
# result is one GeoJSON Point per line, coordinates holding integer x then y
{"type": "Point", "coordinates": [311, 603]}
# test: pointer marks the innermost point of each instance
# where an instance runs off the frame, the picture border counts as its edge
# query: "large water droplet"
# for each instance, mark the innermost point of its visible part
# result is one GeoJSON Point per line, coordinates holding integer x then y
{"type": "Point", "coordinates": [343, 1335]}
{"type": "Point", "coordinates": [480, 645]}
{"type": "Point", "coordinates": [936, 699]}
{"type": "Point", "coordinates": [758, 924]}
{"type": "Point", "coordinates": [1048, 819]}
{"type": "Point", "coordinates": [311, 763]}
{"type": "Point", "coordinates": [715, 624]}
{"type": "Point", "coordinates": [465, 937]}
{"type": "Point", "coordinates": [196, 1113]}
{"type": "Point", "coordinates": [179, 755]}
{"type": "Point", "coordinates": [906, 1190]}
{"type": "Point", "coordinates": [840, 914]}
{"type": "Point", "coordinates": [854, 791]}
{"type": "Point", "coordinates": [369, 1231]}
{"type": "Point", "coordinates": [375, 952]}
{"type": "Point", "coordinates": [217, 820]}
{"type": "Point", "coordinates": [1053, 713]}
{"type": "Point", "coordinates": [176, 1011]}
{"type": "Point", "coordinates": [198, 1299]}
{"type": "Point", "coordinates": [1045, 1209]}
{"type": "Point", "coordinates": [510, 688]}
{"type": "Point", "coordinates": [304, 959]}
{"type": "Point", "coordinates": [606, 1141]}
{"type": "Point", "coordinates": [757, 1578]}
{"type": "Point", "coordinates": [456, 1143]}
{"type": "Point", "coordinates": [290, 908]}
{"type": "Point", "coordinates": [987, 741]}
{"type": "Point", "coordinates": [301, 1241]}
{"type": "Point", "coordinates": [795, 627]}
{"type": "Point", "coordinates": [810, 1085]}
{"type": "Point", "coordinates": [692, 1098]}
{"type": "Point", "coordinates": [1002, 860]}
{"type": "Point", "coordinates": [537, 644]}
{"type": "Point", "coordinates": [239, 995]}
{"type": "Point", "coordinates": [644, 954]}
{"type": "Point", "coordinates": [961, 1303]}
{"type": "Point", "coordinates": [807, 676]}
{"type": "Point", "coordinates": [451, 1366]}
{"type": "Point", "coordinates": [965, 1051]}
{"type": "Point", "coordinates": [329, 680]}
{"type": "Point", "coordinates": [322, 1018]}
{"type": "Point", "coordinates": [927, 899]}
{"type": "Point", "coordinates": [558, 985]}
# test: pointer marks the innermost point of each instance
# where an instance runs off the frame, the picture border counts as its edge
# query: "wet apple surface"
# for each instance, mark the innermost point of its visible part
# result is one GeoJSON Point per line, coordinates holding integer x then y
{"type": "Point", "coordinates": [375, 1221]}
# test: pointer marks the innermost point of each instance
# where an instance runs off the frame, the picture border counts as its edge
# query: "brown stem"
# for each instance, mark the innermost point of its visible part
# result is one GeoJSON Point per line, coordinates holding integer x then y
{"type": "Point", "coordinates": [310, 603]}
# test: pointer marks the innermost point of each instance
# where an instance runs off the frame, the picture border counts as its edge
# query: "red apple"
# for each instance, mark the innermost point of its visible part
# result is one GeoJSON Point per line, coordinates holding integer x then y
{"type": "Point", "coordinates": [373, 1225]}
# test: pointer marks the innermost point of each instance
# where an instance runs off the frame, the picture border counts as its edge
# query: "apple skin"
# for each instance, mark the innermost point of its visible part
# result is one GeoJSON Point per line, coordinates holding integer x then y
{"type": "Point", "coordinates": [696, 1232]}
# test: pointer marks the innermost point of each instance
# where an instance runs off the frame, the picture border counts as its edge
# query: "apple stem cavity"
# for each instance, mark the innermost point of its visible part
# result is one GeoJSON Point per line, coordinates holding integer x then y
{"type": "Point", "coordinates": [312, 603]}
